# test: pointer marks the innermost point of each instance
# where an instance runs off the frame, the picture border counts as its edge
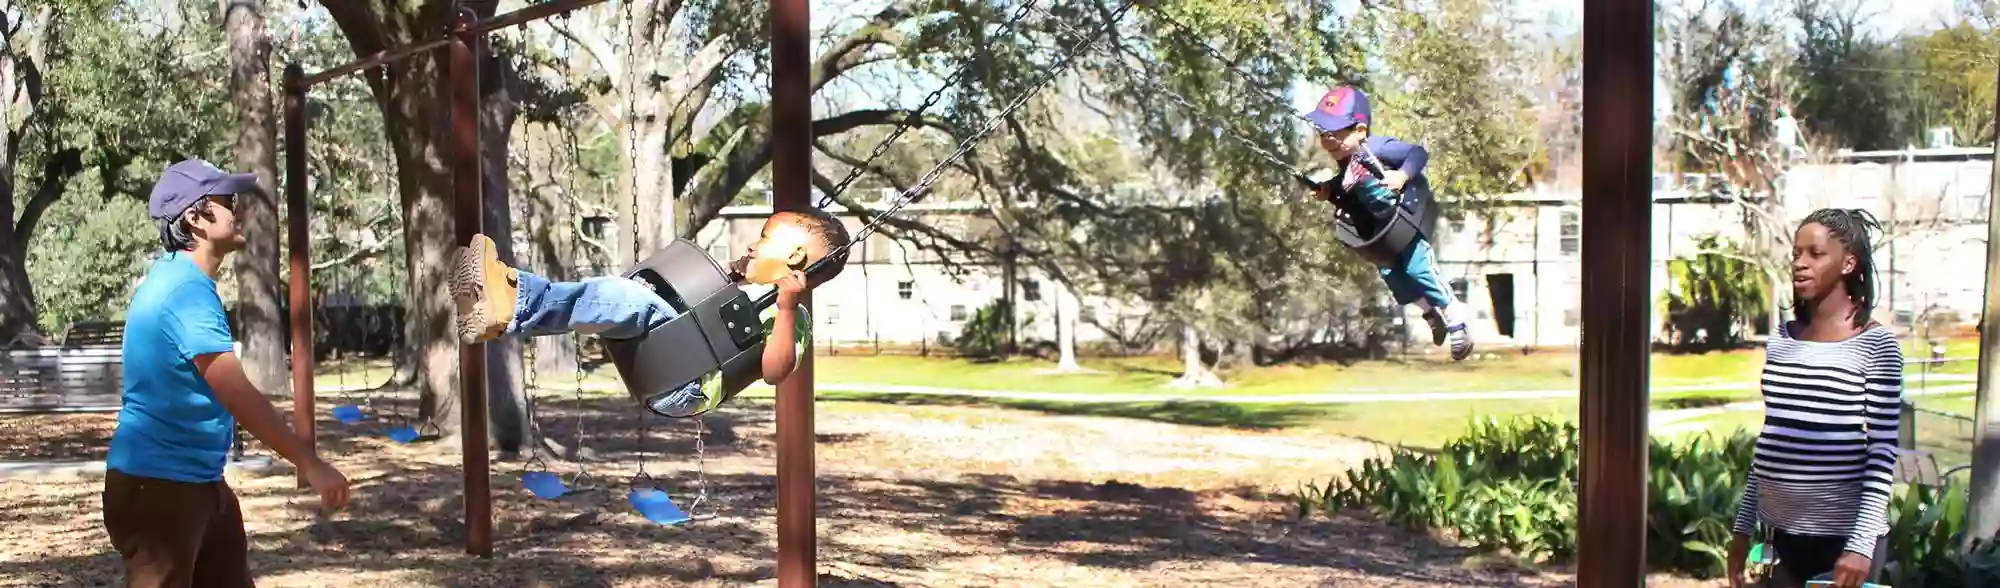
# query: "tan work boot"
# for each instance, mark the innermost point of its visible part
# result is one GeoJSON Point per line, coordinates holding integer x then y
{"type": "Point", "coordinates": [483, 289]}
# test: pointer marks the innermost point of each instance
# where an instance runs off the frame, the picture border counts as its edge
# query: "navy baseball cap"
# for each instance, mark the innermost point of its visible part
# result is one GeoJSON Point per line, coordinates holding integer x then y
{"type": "Point", "coordinates": [188, 181]}
{"type": "Point", "coordinates": [1340, 108]}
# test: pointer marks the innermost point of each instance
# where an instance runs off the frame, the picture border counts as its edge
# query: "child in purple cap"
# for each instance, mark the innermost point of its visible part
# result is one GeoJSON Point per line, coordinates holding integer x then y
{"type": "Point", "coordinates": [1342, 118]}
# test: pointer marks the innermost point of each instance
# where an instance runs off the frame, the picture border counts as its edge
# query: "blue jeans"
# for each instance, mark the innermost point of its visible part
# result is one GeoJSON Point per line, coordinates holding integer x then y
{"type": "Point", "coordinates": [1417, 278]}
{"type": "Point", "coordinates": [609, 307]}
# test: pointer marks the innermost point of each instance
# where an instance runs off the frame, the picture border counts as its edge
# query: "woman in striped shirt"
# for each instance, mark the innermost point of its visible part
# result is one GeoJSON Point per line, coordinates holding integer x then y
{"type": "Point", "coordinates": [1832, 386]}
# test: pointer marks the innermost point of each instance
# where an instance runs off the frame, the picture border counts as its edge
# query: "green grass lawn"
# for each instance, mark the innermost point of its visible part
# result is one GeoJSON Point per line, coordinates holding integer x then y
{"type": "Point", "coordinates": [1421, 424]}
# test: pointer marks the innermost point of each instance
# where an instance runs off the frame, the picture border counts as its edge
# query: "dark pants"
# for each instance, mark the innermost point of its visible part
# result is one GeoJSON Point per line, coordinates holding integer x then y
{"type": "Point", "coordinates": [176, 534]}
{"type": "Point", "coordinates": [1802, 558]}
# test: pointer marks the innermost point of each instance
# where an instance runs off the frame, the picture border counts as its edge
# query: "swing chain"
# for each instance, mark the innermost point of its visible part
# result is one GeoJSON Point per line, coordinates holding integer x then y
{"type": "Point", "coordinates": [701, 468]}
{"type": "Point", "coordinates": [645, 426]}
{"type": "Point", "coordinates": [937, 172]}
{"type": "Point", "coordinates": [915, 118]}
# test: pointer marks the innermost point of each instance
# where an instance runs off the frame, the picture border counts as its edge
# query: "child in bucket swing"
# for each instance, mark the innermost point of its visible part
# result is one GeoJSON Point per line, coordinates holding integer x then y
{"type": "Point", "coordinates": [494, 300]}
{"type": "Point", "coordinates": [1342, 119]}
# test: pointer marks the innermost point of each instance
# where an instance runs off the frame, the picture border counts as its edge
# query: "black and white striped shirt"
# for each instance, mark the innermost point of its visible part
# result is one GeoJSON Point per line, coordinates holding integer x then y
{"type": "Point", "coordinates": [1826, 458]}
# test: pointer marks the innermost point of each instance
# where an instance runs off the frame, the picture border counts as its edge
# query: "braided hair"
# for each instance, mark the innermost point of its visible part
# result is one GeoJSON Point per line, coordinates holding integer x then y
{"type": "Point", "coordinates": [1850, 227]}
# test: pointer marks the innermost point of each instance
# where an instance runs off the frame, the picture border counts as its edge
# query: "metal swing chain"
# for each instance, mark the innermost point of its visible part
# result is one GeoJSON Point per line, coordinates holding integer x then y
{"type": "Point", "coordinates": [528, 398]}
{"type": "Point", "coordinates": [937, 172]}
{"type": "Point", "coordinates": [701, 471]}
{"type": "Point", "coordinates": [915, 118]}
{"type": "Point", "coordinates": [576, 246]}
{"type": "Point", "coordinates": [645, 426]}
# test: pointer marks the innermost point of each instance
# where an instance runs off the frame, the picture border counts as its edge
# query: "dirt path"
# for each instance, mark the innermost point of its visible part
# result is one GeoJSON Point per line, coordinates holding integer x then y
{"type": "Point", "coordinates": [909, 496]}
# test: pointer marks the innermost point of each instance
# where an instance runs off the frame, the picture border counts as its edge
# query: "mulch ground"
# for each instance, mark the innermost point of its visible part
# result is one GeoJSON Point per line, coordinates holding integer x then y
{"type": "Point", "coordinates": [908, 496]}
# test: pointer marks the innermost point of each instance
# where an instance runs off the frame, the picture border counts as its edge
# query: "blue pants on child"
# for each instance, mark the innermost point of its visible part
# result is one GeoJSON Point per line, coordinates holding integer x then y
{"type": "Point", "coordinates": [1416, 277]}
{"type": "Point", "coordinates": [609, 307]}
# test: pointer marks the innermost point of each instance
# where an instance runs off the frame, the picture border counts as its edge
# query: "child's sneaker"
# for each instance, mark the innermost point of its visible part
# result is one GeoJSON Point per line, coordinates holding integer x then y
{"type": "Point", "coordinates": [1456, 331]}
{"type": "Point", "coordinates": [683, 402]}
{"type": "Point", "coordinates": [483, 290]}
{"type": "Point", "coordinates": [1452, 329]}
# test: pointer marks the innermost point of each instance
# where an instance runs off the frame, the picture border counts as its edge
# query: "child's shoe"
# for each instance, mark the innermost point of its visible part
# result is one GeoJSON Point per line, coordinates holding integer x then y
{"type": "Point", "coordinates": [1455, 330]}
{"type": "Point", "coordinates": [683, 402]}
{"type": "Point", "coordinates": [483, 290]}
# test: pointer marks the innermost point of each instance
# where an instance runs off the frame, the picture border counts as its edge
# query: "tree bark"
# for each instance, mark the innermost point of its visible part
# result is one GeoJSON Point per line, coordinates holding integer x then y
{"type": "Point", "coordinates": [555, 357]}
{"type": "Point", "coordinates": [416, 121]}
{"type": "Point", "coordinates": [20, 75]}
{"type": "Point", "coordinates": [1066, 309]}
{"type": "Point", "coordinates": [257, 278]}
{"type": "Point", "coordinates": [506, 396]}
{"type": "Point", "coordinates": [1194, 373]}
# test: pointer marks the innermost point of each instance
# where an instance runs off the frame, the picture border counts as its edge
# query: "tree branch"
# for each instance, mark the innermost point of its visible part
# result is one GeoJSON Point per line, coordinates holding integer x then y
{"type": "Point", "coordinates": [853, 51]}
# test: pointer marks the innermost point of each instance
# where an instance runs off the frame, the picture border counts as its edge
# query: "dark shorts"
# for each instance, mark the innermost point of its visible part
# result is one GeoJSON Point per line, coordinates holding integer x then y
{"type": "Point", "coordinates": [176, 534]}
{"type": "Point", "coordinates": [1804, 557]}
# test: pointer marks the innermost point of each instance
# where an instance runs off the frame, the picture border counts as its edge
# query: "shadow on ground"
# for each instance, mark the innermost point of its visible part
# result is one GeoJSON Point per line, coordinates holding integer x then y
{"type": "Point", "coordinates": [405, 524]}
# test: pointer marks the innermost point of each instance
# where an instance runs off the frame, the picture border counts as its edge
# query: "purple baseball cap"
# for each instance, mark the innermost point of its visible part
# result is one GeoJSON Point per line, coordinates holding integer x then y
{"type": "Point", "coordinates": [188, 181]}
{"type": "Point", "coordinates": [1340, 108]}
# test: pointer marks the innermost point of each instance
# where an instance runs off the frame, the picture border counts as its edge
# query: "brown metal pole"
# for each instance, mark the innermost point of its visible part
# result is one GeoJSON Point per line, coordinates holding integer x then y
{"type": "Point", "coordinates": [1617, 252]}
{"type": "Point", "coordinates": [791, 171]}
{"type": "Point", "coordinates": [461, 81]}
{"type": "Point", "coordinates": [298, 213]}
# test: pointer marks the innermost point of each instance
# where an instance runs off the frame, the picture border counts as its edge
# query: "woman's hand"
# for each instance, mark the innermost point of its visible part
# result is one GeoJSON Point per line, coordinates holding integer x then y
{"type": "Point", "coordinates": [1739, 555]}
{"type": "Point", "coordinates": [1851, 570]}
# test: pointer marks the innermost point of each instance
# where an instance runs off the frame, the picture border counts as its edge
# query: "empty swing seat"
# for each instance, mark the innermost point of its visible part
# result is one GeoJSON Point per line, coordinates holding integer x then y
{"type": "Point", "coordinates": [717, 340]}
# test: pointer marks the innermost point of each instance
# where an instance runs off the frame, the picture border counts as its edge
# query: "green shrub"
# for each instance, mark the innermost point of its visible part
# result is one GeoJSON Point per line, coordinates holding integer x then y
{"type": "Point", "coordinates": [1511, 486]}
{"type": "Point", "coordinates": [1692, 493]}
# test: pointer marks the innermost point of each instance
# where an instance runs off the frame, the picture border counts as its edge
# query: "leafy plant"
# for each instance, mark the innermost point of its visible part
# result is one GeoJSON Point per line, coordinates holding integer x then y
{"type": "Point", "coordinates": [1511, 486]}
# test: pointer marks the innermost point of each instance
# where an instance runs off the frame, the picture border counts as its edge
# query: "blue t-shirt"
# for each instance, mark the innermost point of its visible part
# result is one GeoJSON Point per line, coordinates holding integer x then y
{"type": "Point", "coordinates": [171, 425]}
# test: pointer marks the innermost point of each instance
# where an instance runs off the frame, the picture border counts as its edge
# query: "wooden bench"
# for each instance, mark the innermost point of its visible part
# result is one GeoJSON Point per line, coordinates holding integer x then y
{"type": "Point", "coordinates": [83, 373]}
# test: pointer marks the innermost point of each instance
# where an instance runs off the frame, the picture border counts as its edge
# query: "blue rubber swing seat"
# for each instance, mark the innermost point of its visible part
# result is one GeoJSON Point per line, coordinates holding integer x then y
{"type": "Point", "coordinates": [402, 433]}
{"type": "Point", "coordinates": [348, 414]}
{"type": "Point", "coordinates": [656, 506]}
{"type": "Point", "coordinates": [544, 485]}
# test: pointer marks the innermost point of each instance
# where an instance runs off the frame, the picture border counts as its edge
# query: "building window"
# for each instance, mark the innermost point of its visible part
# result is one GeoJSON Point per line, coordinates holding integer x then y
{"type": "Point", "coordinates": [1031, 290]}
{"type": "Point", "coordinates": [596, 226]}
{"type": "Point", "coordinates": [1569, 236]}
{"type": "Point", "coordinates": [957, 312]}
{"type": "Point", "coordinates": [905, 289]}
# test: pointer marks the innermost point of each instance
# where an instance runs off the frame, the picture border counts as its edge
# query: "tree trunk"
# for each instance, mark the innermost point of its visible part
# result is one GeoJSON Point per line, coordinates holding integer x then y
{"type": "Point", "coordinates": [417, 122]}
{"type": "Point", "coordinates": [20, 76]}
{"type": "Point", "coordinates": [506, 397]}
{"type": "Point", "coordinates": [555, 357]}
{"type": "Point", "coordinates": [418, 127]}
{"type": "Point", "coordinates": [257, 278]}
{"type": "Point", "coordinates": [1066, 310]}
{"type": "Point", "coordinates": [1194, 374]}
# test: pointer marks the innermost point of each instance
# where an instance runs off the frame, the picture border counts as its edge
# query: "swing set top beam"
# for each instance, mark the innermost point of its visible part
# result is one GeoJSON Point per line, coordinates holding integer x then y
{"type": "Point", "coordinates": [394, 54]}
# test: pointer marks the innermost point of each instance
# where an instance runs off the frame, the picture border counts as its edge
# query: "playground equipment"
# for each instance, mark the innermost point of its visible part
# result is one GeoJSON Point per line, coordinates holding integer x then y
{"type": "Point", "coordinates": [1616, 238]}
